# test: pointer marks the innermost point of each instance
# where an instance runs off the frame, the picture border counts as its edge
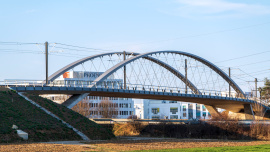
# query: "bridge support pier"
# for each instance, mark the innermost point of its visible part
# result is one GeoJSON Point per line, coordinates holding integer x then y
{"type": "Point", "coordinates": [74, 99]}
{"type": "Point", "coordinates": [212, 110]}
{"type": "Point", "coordinates": [249, 115]}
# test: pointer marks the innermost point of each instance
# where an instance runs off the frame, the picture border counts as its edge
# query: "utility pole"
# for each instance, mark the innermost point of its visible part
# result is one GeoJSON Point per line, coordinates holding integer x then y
{"type": "Point", "coordinates": [229, 83]}
{"type": "Point", "coordinates": [186, 75]}
{"type": "Point", "coordinates": [125, 72]}
{"type": "Point", "coordinates": [256, 87]}
{"type": "Point", "coordinates": [46, 60]}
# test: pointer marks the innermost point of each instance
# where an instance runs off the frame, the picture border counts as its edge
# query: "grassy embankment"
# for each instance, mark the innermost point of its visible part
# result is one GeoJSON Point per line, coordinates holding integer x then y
{"type": "Point", "coordinates": [14, 109]}
{"type": "Point", "coordinates": [83, 124]}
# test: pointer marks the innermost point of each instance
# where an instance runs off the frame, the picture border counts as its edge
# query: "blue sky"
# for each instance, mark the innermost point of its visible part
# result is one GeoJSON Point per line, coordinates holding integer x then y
{"type": "Point", "coordinates": [216, 30]}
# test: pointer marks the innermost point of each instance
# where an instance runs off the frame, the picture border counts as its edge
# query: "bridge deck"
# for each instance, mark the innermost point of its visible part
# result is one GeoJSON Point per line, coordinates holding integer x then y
{"type": "Point", "coordinates": [229, 103]}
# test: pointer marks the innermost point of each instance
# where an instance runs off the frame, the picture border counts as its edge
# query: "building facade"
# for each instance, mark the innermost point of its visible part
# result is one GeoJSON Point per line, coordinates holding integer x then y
{"type": "Point", "coordinates": [95, 106]}
{"type": "Point", "coordinates": [139, 112]}
{"type": "Point", "coordinates": [162, 109]}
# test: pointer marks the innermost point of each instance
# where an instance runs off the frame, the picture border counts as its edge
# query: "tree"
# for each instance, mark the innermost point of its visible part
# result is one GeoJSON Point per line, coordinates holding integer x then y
{"type": "Point", "coordinates": [265, 93]}
{"type": "Point", "coordinates": [83, 108]}
{"type": "Point", "coordinates": [103, 109]}
{"type": "Point", "coordinates": [107, 109]}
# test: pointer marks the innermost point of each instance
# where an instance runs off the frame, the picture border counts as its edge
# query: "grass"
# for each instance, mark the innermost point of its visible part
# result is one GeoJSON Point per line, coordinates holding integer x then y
{"type": "Point", "coordinates": [261, 148]}
{"type": "Point", "coordinates": [40, 126]}
{"type": "Point", "coordinates": [83, 124]}
{"type": "Point", "coordinates": [14, 109]}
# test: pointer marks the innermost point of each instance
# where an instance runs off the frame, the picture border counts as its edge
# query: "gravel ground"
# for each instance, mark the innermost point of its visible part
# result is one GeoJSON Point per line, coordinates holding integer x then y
{"type": "Point", "coordinates": [125, 144]}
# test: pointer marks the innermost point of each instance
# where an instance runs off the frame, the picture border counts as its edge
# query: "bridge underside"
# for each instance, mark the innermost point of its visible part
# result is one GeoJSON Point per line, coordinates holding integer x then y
{"type": "Point", "coordinates": [224, 104]}
{"type": "Point", "coordinates": [230, 104]}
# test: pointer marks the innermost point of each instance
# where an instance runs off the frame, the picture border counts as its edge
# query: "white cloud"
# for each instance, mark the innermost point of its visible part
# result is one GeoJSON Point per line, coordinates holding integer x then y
{"type": "Point", "coordinates": [220, 8]}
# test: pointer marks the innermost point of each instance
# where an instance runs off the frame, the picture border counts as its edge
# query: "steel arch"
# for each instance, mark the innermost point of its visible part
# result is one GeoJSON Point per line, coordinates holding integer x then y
{"type": "Point", "coordinates": [202, 60]}
{"type": "Point", "coordinates": [175, 72]}
{"type": "Point", "coordinates": [72, 65]}
{"type": "Point", "coordinates": [163, 64]}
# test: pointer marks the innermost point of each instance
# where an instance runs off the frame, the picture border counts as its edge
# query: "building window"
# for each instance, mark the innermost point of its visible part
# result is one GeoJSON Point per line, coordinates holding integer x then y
{"type": "Point", "coordinates": [190, 106]}
{"type": "Point", "coordinates": [155, 110]}
{"type": "Point", "coordinates": [173, 110]}
{"type": "Point", "coordinates": [190, 111]}
{"type": "Point", "coordinates": [184, 114]}
{"type": "Point", "coordinates": [204, 108]}
{"type": "Point", "coordinates": [172, 101]}
{"type": "Point", "coordinates": [198, 115]}
{"type": "Point", "coordinates": [123, 105]}
{"type": "Point", "coordinates": [174, 117]}
{"type": "Point", "coordinates": [155, 117]}
{"type": "Point", "coordinates": [204, 115]}
{"type": "Point", "coordinates": [184, 108]}
{"type": "Point", "coordinates": [198, 107]}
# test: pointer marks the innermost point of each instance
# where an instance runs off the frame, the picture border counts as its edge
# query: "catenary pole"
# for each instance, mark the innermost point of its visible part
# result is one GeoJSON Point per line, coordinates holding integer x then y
{"type": "Point", "coordinates": [46, 61]}
{"type": "Point", "coordinates": [229, 83]}
{"type": "Point", "coordinates": [186, 75]}
{"type": "Point", "coordinates": [125, 83]}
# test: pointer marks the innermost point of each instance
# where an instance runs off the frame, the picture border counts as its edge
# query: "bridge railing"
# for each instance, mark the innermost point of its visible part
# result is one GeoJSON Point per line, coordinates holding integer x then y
{"type": "Point", "coordinates": [135, 87]}
{"type": "Point", "coordinates": [18, 82]}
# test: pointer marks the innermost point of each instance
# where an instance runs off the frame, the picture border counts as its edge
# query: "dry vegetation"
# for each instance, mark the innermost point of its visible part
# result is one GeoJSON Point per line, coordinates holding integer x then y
{"type": "Point", "coordinates": [258, 129]}
{"type": "Point", "coordinates": [127, 129]}
{"type": "Point", "coordinates": [221, 127]}
{"type": "Point", "coordinates": [125, 145]}
{"type": "Point", "coordinates": [128, 145]}
{"type": "Point", "coordinates": [38, 147]}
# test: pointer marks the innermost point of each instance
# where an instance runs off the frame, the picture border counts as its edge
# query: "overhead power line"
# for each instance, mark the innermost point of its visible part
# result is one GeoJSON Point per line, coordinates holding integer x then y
{"type": "Point", "coordinates": [16, 43]}
{"type": "Point", "coordinates": [246, 73]}
{"type": "Point", "coordinates": [73, 49]}
{"type": "Point", "coordinates": [243, 56]}
{"type": "Point", "coordinates": [252, 63]}
{"type": "Point", "coordinates": [199, 35]}
{"type": "Point", "coordinates": [256, 72]}
{"type": "Point", "coordinates": [82, 47]}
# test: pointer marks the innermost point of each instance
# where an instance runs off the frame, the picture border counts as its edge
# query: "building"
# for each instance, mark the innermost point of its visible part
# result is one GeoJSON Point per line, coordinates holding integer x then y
{"type": "Point", "coordinates": [119, 107]}
{"type": "Point", "coordinates": [162, 109]}
{"type": "Point", "coordinates": [139, 110]}
{"type": "Point", "coordinates": [249, 95]}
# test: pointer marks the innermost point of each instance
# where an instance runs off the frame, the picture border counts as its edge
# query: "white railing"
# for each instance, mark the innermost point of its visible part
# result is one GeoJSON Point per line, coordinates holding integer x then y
{"type": "Point", "coordinates": [135, 87]}
{"type": "Point", "coordinates": [20, 82]}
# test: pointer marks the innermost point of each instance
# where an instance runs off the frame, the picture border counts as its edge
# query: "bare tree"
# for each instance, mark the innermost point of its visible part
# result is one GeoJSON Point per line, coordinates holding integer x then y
{"type": "Point", "coordinates": [107, 109]}
{"type": "Point", "coordinates": [103, 109]}
{"type": "Point", "coordinates": [83, 108]}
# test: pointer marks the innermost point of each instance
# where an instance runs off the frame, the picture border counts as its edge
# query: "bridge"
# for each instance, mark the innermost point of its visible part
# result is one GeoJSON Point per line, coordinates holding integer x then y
{"type": "Point", "coordinates": [162, 75]}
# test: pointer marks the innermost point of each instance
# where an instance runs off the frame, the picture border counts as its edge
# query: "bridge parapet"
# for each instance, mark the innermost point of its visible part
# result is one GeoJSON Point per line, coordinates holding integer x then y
{"type": "Point", "coordinates": [38, 84]}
